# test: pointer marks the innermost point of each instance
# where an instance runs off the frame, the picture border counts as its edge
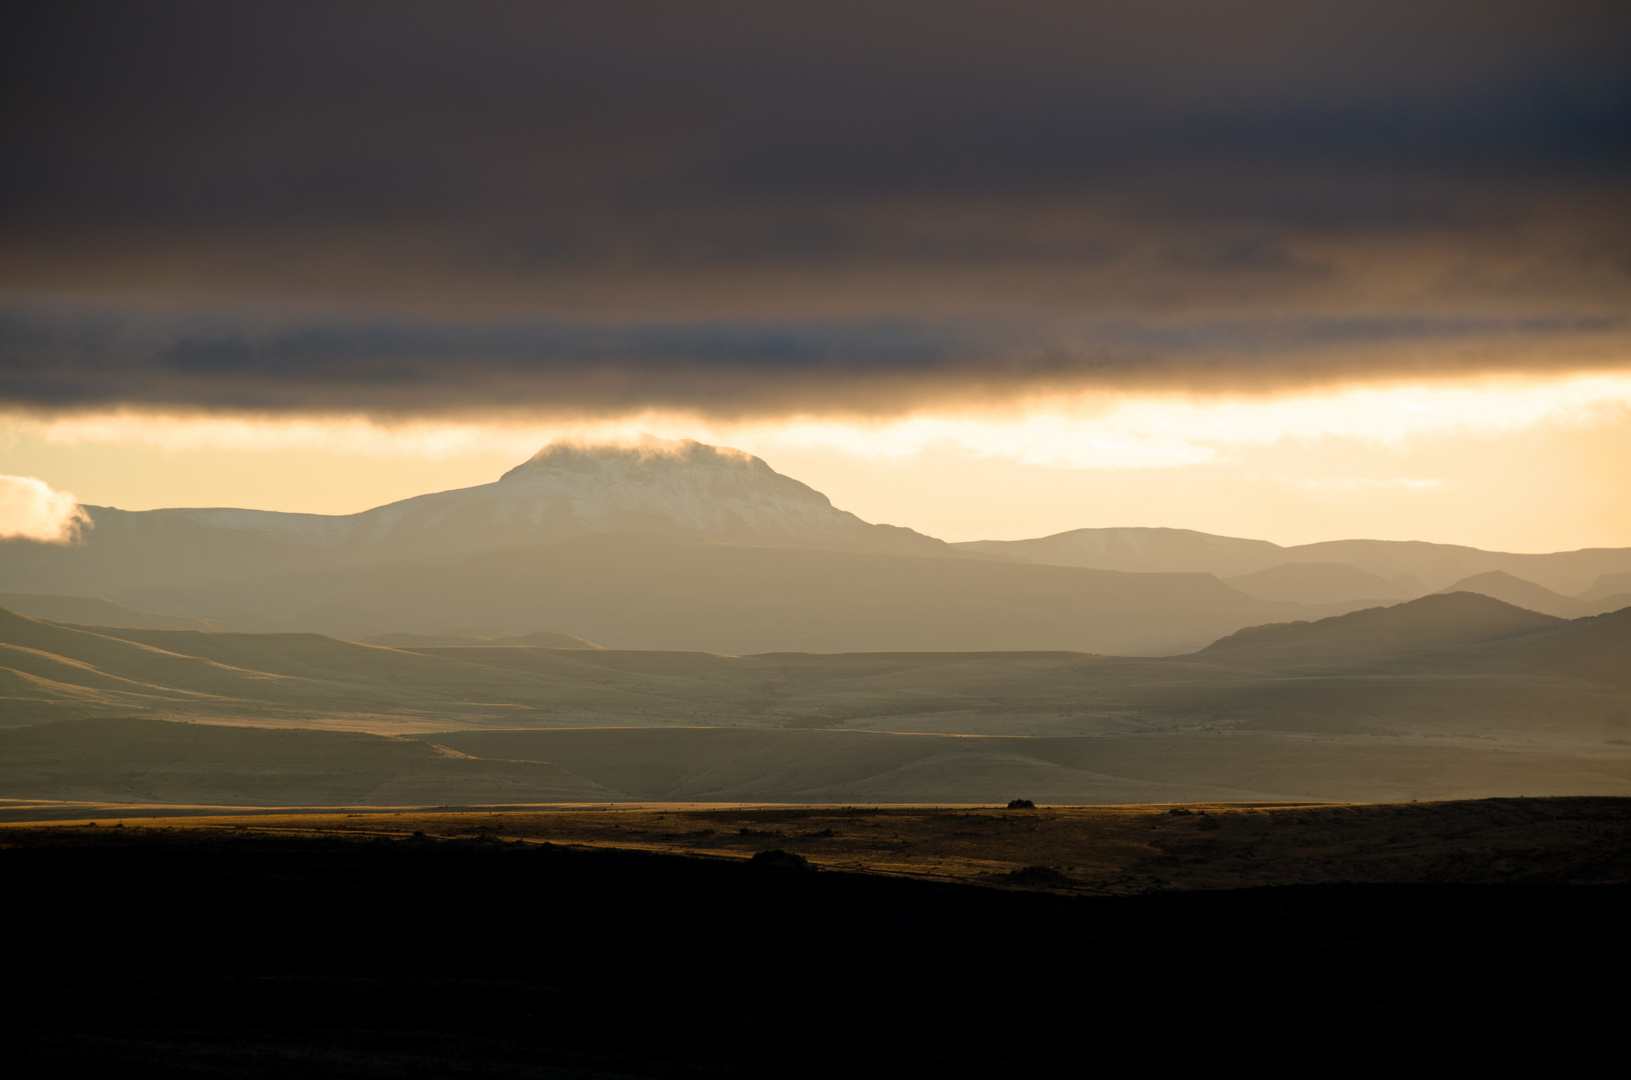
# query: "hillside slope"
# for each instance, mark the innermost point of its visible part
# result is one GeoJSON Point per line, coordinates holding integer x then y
{"type": "Point", "coordinates": [266, 564]}
{"type": "Point", "coordinates": [1430, 622]}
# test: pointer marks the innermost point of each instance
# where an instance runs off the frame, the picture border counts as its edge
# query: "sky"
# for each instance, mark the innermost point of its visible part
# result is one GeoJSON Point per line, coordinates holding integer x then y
{"type": "Point", "coordinates": [1296, 271]}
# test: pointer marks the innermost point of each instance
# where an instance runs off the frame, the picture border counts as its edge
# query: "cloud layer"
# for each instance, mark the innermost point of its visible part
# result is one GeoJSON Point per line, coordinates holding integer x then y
{"type": "Point", "coordinates": [734, 207]}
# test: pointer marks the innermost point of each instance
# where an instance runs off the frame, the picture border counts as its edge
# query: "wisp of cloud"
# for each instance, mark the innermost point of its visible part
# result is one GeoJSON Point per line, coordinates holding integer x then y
{"type": "Point", "coordinates": [31, 509]}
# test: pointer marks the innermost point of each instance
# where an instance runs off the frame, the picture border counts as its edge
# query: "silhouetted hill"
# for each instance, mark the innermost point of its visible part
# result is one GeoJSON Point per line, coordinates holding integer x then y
{"type": "Point", "coordinates": [1596, 647]}
{"type": "Point", "coordinates": [1431, 622]}
{"type": "Point", "coordinates": [1318, 583]}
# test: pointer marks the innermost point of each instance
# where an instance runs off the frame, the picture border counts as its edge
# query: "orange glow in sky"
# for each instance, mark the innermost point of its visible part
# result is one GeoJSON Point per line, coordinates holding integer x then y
{"type": "Point", "coordinates": [1526, 464]}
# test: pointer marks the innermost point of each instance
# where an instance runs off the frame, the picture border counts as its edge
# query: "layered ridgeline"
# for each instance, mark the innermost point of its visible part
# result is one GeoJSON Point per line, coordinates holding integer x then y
{"type": "Point", "coordinates": [268, 569]}
{"type": "Point", "coordinates": [565, 491]}
{"type": "Point", "coordinates": [684, 546]}
{"type": "Point", "coordinates": [1374, 569]}
{"type": "Point", "coordinates": [1453, 695]}
{"type": "Point", "coordinates": [659, 545]}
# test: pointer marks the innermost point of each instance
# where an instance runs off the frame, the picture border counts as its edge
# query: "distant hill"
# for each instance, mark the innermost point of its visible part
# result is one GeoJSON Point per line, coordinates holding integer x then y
{"type": "Point", "coordinates": [1140, 550]}
{"type": "Point", "coordinates": [1434, 566]}
{"type": "Point", "coordinates": [1319, 583]}
{"type": "Point", "coordinates": [1609, 585]}
{"type": "Point", "coordinates": [1432, 622]}
{"type": "Point", "coordinates": [1525, 594]}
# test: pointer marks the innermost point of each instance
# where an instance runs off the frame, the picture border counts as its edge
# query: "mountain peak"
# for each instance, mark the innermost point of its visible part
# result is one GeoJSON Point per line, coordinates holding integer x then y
{"type": "Point", "coordinates": [648, 453]}
{"type": "Point", "coordinates": [673, 487]}
{"type": "Point", "coordinates": [705, 488]}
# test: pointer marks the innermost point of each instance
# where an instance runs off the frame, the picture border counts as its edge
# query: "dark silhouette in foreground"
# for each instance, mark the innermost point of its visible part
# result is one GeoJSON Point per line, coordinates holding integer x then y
{"type": "Point", "coordinates": [231, 953]}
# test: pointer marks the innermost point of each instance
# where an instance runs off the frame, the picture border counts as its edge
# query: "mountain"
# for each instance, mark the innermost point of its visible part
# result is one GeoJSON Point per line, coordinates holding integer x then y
{"type": "Point", "coordinates": [659, 487]}
{"type": "Point", "coordinates": [1432, 566]}
{"type": "Point", "coordinates": [683, 546]}
{"type": "Point", "coordinates": [1319, 583]}
{"type": "Point", "coordinates": [656, 546]}
{"type": "Point", "coordinates": [1432, 622]}
{"type": "Point", "coordinates": [562, 492]}
{"type": "Point", "coordinates": [655, 487]}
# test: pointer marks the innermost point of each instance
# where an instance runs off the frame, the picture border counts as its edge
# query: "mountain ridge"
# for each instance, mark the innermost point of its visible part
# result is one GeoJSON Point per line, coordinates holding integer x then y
{"type": "Point", "coordinates": [680, 487]}
{"type": "Point", "coordinates": [1435, 566]}
{"type": "Point", "coordinates": [614, 513]}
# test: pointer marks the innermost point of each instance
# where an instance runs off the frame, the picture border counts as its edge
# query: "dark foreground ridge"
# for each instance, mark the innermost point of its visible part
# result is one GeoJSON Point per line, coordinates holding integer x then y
{"type": "Point", "coordinates": [188, 952]}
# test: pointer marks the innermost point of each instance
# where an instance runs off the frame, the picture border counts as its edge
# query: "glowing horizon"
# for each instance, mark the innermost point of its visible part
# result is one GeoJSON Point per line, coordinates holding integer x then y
{"type": "Point", "coordinates": [1409, 459]}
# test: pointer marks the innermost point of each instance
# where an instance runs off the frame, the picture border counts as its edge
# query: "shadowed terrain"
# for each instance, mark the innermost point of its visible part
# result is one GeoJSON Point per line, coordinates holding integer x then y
{"type": "Point", "coordinates": [575, 944]}
{"type": "Point", "coordinates": [1447, 696]}
{"type": "Point", "coordinates": [1097, 849]}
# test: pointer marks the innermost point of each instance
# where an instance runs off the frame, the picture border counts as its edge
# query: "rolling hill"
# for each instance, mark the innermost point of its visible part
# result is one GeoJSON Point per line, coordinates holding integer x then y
{"type": "Point", "coordinates": [1448, 695]}
{"type": "Point", "coordinates": [1431, 622]}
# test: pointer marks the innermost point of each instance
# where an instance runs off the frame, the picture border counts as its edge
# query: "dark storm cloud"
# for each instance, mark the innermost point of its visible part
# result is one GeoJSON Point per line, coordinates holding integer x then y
{"type": "Point", "coordinates": [79, 358]}
{"type": "Point", "coordinates": [598, 203]}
